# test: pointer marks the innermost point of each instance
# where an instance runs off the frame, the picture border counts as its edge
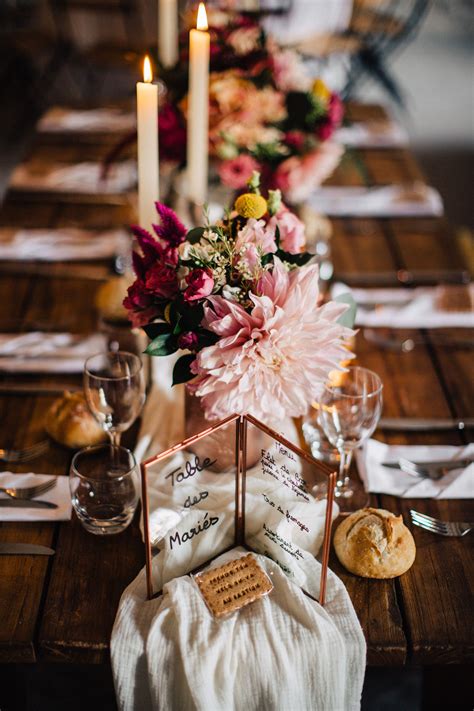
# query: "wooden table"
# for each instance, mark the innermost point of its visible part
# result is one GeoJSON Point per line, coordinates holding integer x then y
{"type": "Point", "coordinates": [62, 608]}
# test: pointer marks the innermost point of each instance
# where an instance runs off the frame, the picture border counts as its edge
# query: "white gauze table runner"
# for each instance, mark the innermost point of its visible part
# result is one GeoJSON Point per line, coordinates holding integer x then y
{"type": "Point", "coordinates": [282, 652]}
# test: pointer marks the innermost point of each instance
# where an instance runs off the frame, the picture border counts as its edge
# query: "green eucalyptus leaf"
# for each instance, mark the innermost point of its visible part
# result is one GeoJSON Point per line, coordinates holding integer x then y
{"type": "Point", "coordinates": [153, 330]}
{"type": "Point", "coordinates": [162, 345]}
{"type": "Point", "coordinates": [195, 234]}
{"type": "Point", "coordinates": [348, 317]}
{"type": "Point", "coordinates": [182, 369]}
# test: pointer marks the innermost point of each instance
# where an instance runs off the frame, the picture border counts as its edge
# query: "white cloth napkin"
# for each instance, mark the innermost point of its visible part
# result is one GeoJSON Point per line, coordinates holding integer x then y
{"type": "Point", "coordinates": [455, 484]}
{"type": "Point", "coordinates": [38, 352]}
{"type": "Point", "coordinates": [59, 495]}
{"type": "Point", "coordinates": [388, 201]}
{"type": "Point", "coordinates": [282, 652]}
{"type": "Point", "coordinates": [59, 119]}
{"type": "Point", "coordinates": [64, 244]}
{"type": "Point", "coordinates": [405, 308]}
{"type": "Point", "coordinates": [82, 178]}
{"type": "Point", "coordinates": [372, 134]}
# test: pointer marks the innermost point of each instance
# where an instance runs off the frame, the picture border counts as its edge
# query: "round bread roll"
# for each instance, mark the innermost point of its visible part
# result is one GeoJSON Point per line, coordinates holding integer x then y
{"type": "Point", "coordinates": [374, 543]}
{"type": "Point", "coordinates": [70, 422]}
{"type": "Point", "coordinates": [109, 298]}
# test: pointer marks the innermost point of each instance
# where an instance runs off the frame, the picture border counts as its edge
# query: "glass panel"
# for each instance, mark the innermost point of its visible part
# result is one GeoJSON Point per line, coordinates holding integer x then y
{"type": "Point", "coordinates": [282, 518]}
{"type": "Point", "coordinates": [191, 495]}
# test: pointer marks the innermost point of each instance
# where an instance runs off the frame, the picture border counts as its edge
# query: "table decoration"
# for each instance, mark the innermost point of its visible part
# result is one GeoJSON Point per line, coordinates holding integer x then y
{"type": "Point", "coordinates": [455, 484]}
{"type": "Point", "coordinates": [198, 109]}
{"type": "Point", "coordinates": [168, 32]}
{"type": "Point", "coordinates": [241, 297]}
{"type": "Point", "coordinates": [147, 138]}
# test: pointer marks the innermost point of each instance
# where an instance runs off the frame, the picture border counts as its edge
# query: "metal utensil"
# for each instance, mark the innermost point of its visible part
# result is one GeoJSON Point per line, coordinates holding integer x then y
{"type": "Point", "coordinates": [435, 463]}
{"type": "Point", "coordinates": [25, 454]}
{"type": "Point", "coordinates": [421, 424]}
{"type": "Point", "coordinates": [426, 471]}
{"type": "Point", "coordinates": [442, 528]}
{"type": "Point", "coordinates": [403, 276]}
{"type": "Point", "coordinates": [28, 492]}
{"type": "Point", "coordinates": [26, 504]}
{"type": "Point", "coordinates": [24, 549]}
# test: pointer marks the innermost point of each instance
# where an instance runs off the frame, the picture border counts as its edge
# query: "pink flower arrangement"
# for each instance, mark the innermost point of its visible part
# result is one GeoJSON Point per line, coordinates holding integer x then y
{"type": "Point", "coordinates": [241, 298]}
{"type": "Point", "coordinates": [235, 173]}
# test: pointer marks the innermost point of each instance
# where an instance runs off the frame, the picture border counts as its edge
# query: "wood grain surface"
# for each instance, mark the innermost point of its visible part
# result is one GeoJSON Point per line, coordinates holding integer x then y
{"type": "Point", "coordinates": [62, 608]}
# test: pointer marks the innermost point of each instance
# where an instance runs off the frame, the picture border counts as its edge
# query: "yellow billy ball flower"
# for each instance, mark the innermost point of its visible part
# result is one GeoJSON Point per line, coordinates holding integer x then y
{"type": "Point", "coordinates": [321, 91]}
{"type": "Point", "coordinates": [251, 205]}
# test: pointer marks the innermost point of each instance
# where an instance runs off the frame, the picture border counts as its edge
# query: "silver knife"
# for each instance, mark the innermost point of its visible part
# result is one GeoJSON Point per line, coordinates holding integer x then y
{"type": "Point", "coordinates": [27, 504]}
{"type": "Point", "coordinates": [439, 463]}
{"type": "Point", "coordinates": [24, 549]}
{"type": "Point", "coordinates": [420, 424]}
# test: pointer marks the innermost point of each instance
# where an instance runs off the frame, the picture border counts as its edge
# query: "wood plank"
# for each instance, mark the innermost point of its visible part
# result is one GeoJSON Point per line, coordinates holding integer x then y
{"type": "Point", "coordinates": [85, 590]}
{"type": "Point", "coordinates": [360, 246]}
{"type": "Point", "coordinates": [426, 244]}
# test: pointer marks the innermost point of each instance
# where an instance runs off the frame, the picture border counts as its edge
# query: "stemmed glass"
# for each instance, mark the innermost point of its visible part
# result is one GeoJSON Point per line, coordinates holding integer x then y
{"type": "Point", "coordinates": [114, 386]}
{"type": "Point", "coordinates": [350, 408]}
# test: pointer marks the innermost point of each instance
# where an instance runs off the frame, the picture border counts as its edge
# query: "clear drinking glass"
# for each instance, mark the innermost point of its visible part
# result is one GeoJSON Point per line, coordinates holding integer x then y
{"type": "Point", "coordinates": [104, 488]}
{"type": "Point", "coordinates": [114, 386]}
{"type": "Point", "coordinates": [349, 410]}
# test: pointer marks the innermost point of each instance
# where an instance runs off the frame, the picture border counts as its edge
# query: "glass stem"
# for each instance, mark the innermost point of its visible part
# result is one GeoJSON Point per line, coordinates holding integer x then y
{"type": "Point", "coordinates": [344, 466]}
{"type": "Point", "coordinates": [114, 438]}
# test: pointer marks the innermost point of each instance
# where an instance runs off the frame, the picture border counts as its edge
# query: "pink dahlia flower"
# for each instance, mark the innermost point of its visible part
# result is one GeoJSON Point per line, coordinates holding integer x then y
{"type": "Point", "coordinates": [236, 172]}
{"type": "Point", "coordinates": [273, 361]}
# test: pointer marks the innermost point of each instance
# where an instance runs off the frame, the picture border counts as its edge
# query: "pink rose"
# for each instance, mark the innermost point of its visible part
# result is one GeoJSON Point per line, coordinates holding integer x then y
{"type": "Point", "coordinates": [292, 237]}
{"type": "Point", "coordinates": [236, 172]}
{"type": "Point", "coordinates": [335, 110]}
{"type": "Point", "coordinates": [255, 232]}
{"type": "Point", "coordinates": [188, 341]}
{"type": "Point", "coordinates": [297, 177]}
{"type": "Point", "coordinates": [161, 281]}
{"type": "Point", "coordinates": [200, 284]}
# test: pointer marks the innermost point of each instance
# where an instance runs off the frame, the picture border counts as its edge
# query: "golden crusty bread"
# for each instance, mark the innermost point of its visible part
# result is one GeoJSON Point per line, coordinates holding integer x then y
{"type": "Point", "coordinates": [70, 422]}
{"type": "Point", "coordinates": [374, 543]}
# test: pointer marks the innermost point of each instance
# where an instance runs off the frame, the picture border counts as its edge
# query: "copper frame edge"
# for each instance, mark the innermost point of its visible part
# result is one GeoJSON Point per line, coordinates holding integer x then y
{"type": "Point", "coordinates": [146, 530]}
{"type": "Point", "coordinates": [327, 538]}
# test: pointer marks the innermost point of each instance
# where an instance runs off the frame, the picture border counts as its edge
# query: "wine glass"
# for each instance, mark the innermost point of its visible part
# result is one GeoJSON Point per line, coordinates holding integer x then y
{"type": "Point", "coordinates": [114, 386]}
{"type": "Point", "coordinates": [349, 408]}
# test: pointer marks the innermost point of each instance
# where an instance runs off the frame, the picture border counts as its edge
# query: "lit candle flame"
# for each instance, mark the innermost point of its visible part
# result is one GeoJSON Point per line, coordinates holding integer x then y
{"type": "Point", "coordinates": [201, 23]}
{"type": "Point", "coordinates": [147, 73]}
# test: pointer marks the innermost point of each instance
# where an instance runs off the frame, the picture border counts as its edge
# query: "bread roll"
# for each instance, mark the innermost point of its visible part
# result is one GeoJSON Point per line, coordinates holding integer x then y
{"type": "Point", "coordinates": [374, 543]}
{"type": "Point", "coordinates": [70, 422]}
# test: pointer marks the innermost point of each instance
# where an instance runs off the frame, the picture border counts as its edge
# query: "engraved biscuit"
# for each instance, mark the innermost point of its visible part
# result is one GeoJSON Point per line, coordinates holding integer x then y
{"type": "Point", "coordinates": [233, 585]}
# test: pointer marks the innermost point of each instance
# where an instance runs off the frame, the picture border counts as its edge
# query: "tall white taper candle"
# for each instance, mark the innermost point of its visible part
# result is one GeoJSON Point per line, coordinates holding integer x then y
{"type": "Point", "coordinates": [148, 165]}
{"type": "Point", "coordinates": [168, 32]}
{"type": "Point", "coordinates": [198, 109]}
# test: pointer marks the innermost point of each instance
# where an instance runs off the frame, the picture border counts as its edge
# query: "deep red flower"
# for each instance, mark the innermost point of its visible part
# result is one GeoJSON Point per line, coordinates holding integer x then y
{"type": "Point", "coordinates": [188, 341]}
{"type": "Point", "coordinates": [200, 284]}
{"type": "Point", "coordinates": [295, 140]}
{"type": "Point", "coordinates": [172, 132]}
{"type": "Point", "coordinates": [161, 281]}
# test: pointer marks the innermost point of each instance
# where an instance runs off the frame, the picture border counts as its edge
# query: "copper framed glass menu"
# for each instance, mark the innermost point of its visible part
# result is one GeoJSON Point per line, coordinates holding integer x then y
{"type": "Point", "coordinates": [237, 483]}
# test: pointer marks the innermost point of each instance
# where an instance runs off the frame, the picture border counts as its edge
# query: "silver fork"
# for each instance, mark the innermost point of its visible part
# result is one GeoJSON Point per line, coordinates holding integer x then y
{"type": "Point", "coordinates": [443, 528]}
{"type": "Point", "coordinates": [25, 454]}
{"type": "Point", "coordinates": [28, 492]}
{"type": "Point", "coordinates": [426, 469]}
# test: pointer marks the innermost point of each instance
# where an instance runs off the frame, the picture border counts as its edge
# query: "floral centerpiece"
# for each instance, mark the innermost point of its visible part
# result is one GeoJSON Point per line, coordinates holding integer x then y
{"type": "Point", "coordinates": [240, 297]}
{"type": "Point", "coordinates": [266, 113]}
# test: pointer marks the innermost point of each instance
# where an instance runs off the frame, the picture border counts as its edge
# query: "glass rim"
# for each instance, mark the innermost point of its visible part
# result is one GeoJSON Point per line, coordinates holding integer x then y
{"type": "Point", "coordinates": [94, 447]}
{"type": "Point", "coordinates": [108, 377]}
{"type": "Point", "coordinates": [331, 388]}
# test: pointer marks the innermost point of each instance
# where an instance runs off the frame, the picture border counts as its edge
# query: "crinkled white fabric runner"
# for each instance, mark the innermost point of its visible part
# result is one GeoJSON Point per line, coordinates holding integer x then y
{"type": "Point", "coordinates": [282, 652]}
